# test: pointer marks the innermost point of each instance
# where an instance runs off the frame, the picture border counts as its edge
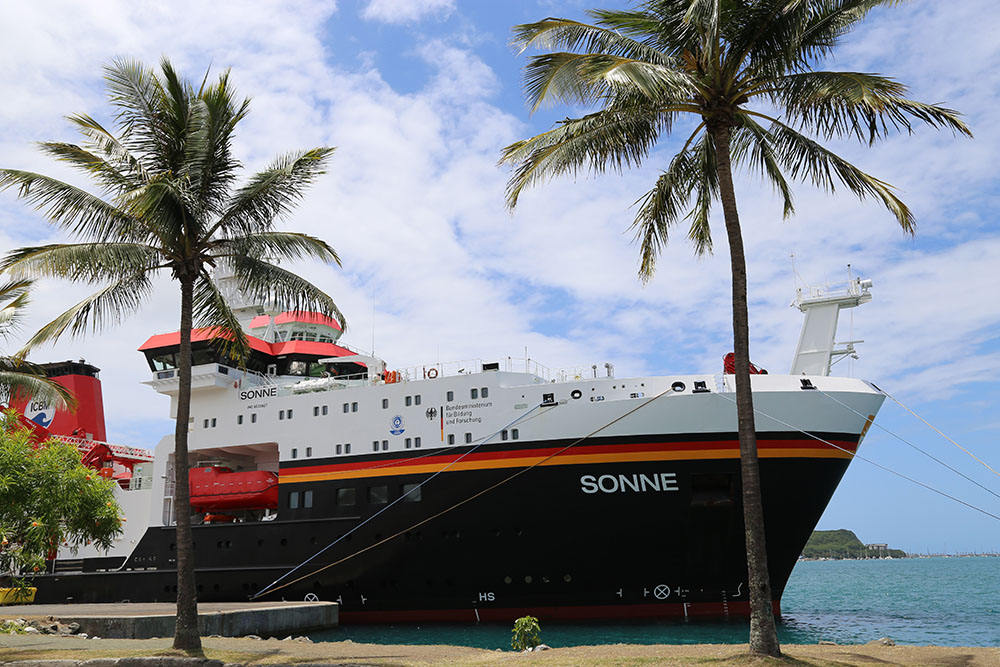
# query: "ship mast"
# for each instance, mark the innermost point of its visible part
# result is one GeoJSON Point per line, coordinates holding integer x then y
{"type": "Point", "coordinates": [817, 351]}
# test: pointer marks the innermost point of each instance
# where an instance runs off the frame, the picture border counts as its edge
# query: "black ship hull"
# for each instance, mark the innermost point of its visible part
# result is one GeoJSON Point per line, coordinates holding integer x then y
{"type": "Point", "coordinates": [653, 527]}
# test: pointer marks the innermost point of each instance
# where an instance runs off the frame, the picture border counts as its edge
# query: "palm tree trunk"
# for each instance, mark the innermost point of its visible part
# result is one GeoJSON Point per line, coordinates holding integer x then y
{"type": "Point", "coordinates": [186, 635]}
{"type": "Point", "coordinates": [763, 634]}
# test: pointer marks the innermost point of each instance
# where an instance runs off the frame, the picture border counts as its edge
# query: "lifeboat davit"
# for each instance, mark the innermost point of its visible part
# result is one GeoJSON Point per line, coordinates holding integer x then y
{"type": "Point", "coordinates": [219, 488]}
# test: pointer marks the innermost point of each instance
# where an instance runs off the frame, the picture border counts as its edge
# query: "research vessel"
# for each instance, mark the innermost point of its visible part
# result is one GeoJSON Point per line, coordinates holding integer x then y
{"type": "Point", "coordinates": [463, 492]}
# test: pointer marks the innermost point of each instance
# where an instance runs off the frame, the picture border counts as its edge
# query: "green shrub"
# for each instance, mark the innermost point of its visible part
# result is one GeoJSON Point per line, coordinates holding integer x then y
{"type": "Point", "coordinates": [525, 634]}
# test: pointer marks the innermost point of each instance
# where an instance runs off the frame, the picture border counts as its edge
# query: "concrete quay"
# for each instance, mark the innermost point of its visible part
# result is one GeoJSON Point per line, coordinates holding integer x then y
{"type": "Point", "coordinates": [157, 619]}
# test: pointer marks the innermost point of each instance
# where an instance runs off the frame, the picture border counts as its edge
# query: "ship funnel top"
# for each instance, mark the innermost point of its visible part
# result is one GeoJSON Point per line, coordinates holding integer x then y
{"type": "Point", "coordinates": [817, 351]}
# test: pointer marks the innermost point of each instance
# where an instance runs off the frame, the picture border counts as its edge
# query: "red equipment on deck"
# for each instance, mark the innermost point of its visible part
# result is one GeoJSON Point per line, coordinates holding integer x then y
{"type": "Point", "coordinates": [729, 366]}
{"type": "Point", "coordinates": [219, 488]}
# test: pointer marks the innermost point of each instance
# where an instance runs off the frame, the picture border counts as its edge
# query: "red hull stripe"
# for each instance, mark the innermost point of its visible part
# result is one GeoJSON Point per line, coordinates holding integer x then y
{"type": "Point", "coordinates": [630, 452]}
{"type": "Point", "coordinates": [543, 614]}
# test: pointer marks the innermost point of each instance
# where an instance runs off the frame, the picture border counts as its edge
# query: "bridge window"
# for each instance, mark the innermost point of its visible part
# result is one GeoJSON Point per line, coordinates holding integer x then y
{"type": "Point", "coordinates": [297, 367]}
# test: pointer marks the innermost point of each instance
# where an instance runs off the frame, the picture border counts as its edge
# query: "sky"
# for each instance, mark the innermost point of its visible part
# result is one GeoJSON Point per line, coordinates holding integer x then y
{"type": "Point", "coordinates": [420, 96]}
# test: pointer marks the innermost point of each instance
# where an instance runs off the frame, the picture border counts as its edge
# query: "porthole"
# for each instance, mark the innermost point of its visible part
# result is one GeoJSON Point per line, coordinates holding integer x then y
{"type": "Point", "coordinates": [678, 387]}
{"type": "Point", "coordinates": [284, 541]}
{"type": "Point", "coordinates": [576, 393]}
{"type": "Point", "coordinates": [567, 578]}
{"type": "Point", "coordinates": [507, 580]}
{"type": "Point", "coordinates": [527, 579]}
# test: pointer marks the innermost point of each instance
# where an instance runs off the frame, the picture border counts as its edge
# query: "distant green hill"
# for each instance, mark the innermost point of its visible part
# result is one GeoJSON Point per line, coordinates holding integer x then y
{"type": "Point", "coordinates": [842, 544]}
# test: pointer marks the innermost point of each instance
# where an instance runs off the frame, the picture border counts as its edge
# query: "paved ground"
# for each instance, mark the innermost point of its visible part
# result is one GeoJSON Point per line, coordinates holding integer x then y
{"type": "Point", "coordinates": [252, 652]}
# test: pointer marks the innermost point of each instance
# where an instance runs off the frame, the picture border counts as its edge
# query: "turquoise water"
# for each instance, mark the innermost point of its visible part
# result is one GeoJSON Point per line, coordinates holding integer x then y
{"type": "Point", "coordinates": [944, 601]}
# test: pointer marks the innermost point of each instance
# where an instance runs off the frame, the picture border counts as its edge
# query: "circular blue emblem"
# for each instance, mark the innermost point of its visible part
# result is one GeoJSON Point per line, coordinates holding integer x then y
{"type": "Point", "coordinates": [397, 425]}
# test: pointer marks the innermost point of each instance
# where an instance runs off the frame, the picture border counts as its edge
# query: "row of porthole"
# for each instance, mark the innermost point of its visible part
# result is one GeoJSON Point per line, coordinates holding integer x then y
{"type": "Point", "coordinates": [528, 579]}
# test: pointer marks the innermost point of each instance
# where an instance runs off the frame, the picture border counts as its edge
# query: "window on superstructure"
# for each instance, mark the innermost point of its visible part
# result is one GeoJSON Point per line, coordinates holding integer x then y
{"type": "Point", "coordinates": [307, 499]}
{"type": "Point", "coordinates": [484, 392]}
{"type": "Point", "coordinates": [206, 424]}
{"type": "Point", "coordinates": [295, 453]}
{"type": "Point", "coordinates": [346, 497]}
{"type": "Point", "coordinates": [408, 443]}
{"type": "Point", "coordinates": [416, 399]}
{"type": "Point", "coordinates": [253, 418]}
{"type": "Point", "coordinates": [297, 367]}
{"type": "Point", "coordinates": [468, 438]}
{"type": "Point", "coordinates": [315, 411]}
{"type": "Point", "coordinates": [378, 495]}
{"type": "Point", "coordinates": [324, 338]}
{"type": "Point", "coordinates": [474, 393]}
{"type": "Point", "coordinates": [416, 441]}
{"type": "Point", "coordinates": [239, 419]}
{"type": "Point", "coordinates": [347, 448]}
{"type": "Point", "coordinates": [409, 401]}
{"type": "Point", "coordinates": [451, 438]}
{"type": "Point", "coordinates": [385, 403]}
{"type": "Point", "coordinates": [163, 362]}
{"type": "Point", "coordinates": [338, 448]}
{"type": "Point", "coordinates": [385, 445]}
{"type": "Point", "coordinates": [514, 434]}
{"type": "Point", "coordinates": [347, 408]}
{"type": "Point", "coordinates": [503, 434]}
{"type": "Point", "coordinates": [354, 406]}
{"type": "Point", "coordinates": [281, 336]}
{"type": "Point", "coordinates": [281, 415]}
{"type": "Point", "coordinates": [451, 396]}
{"type": "Point", "coordinates": [309, 451]}
{"type": "Point", "coordinates": [374, 445]}
{"type": "Point", "coordinates": [411, 493]}
{"type": "Point", "coordinates": [296, 335]}
{"type": "Point", "coordinates": [310, 336]}
{"type": "Point", "coordinates": [289, 414]}
{"type": "Point", "coordinates": [213, 422]}
{"type": "Point", "coordinates": [325, 410]}
{"type": "Point", "coordinates": [293, 500]}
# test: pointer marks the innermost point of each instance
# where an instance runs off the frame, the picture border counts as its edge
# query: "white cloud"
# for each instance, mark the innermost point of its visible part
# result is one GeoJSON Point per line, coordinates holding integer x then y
{"type": "Point", "coordinates": [406, 11]}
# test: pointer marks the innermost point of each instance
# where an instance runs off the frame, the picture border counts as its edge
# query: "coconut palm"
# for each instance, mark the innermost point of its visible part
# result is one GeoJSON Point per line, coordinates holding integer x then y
{"type": "Point", "coordinates": [170, 203]}
{"type": "Point", "coordinates": [746, 73]}
{"type": "Point", "coordinates": [18, 377]}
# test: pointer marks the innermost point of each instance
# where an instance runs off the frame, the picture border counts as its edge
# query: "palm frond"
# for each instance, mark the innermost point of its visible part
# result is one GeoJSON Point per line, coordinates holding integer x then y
{"type": "Point", "coordinates": [210, 310]}
{"type": "Point", "coordinates": [589, 78]}
{"type": "Point", "coordinates": [612, 139]}
{"type": "Point", "coordinates": [106, 307]}
{"type": "Point", "coordinates": [82, 262]}
{"type": "Point", "coordinates": [865, 106]}
{"type": "Point", "coordinates": [139, 97]}
{"type": "Point", "coordinates": [22, 380]}
{"type": "Point", "coordinates": [807, 159]}
{"type": "Point", "coordinates": [271, 193]}
{"type": "Point", "coordinates": [105, 173]}
{"type": "Point", "coordinates": [276, 246]}
{"type": "Point", "coordinates": [558, 33]}
{"type": "Point", "coordinates": [107, 145]}
{"type": "Point", "coordinates": [263, 282]}
{"type": "Point", "coordinates": [753, 147]}
{"type": "Point", "coordinates": [14, 297]}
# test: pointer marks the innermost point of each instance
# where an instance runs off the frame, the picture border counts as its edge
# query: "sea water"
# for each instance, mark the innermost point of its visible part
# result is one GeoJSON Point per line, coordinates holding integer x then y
{"type": "Point", "coordinates": [944, 601]}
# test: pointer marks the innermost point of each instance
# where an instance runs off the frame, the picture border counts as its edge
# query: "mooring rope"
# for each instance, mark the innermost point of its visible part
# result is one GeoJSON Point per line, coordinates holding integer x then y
{"type": "Point", "coordinates": [448, 509]}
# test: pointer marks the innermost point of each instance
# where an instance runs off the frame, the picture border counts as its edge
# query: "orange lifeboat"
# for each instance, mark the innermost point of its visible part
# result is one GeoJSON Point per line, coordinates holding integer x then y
{"type": "Point", "coordinates": [219, 488]}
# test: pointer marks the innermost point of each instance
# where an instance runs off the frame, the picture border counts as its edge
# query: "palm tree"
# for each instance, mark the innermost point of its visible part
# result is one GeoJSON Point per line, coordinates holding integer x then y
{"type": "Point", "coordinates": [18, 377]}
{"type": "Point", "coordinates": [744, 71]}
{"type": "Point", "coordinates": [170, 203]}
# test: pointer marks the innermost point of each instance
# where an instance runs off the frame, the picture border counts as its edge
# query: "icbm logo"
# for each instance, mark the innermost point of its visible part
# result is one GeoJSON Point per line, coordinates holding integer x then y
{"type": "Point", "coordinates": [40, 412]}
